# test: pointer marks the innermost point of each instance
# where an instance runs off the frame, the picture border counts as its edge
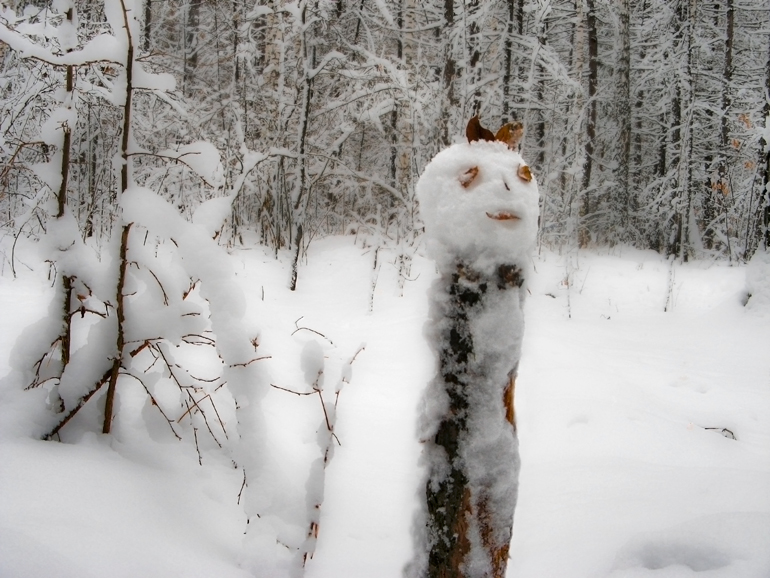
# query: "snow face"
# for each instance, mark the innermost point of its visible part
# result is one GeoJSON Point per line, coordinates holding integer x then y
{"type": "Point", "coordinates": [478, 207]}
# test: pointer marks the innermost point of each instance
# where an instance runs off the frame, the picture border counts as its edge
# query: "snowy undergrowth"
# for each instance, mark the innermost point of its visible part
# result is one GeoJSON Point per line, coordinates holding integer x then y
{"type": "Point", "coordinates": [620, 475]}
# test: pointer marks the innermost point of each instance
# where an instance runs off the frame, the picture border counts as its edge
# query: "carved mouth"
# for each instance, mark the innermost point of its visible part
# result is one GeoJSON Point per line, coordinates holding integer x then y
{"type": "Point", "coordinates": [504, 216]}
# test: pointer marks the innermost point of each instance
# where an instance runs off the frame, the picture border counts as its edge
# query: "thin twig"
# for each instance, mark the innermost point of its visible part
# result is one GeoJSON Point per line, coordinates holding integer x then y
{"type": "Point", "coordinates": [243, 485]}
{"type": "Point", "coordinates": [298, 328]}
{"type": "Point", "coordinates": [203, 415]}
{"type": "Point", "coordinates": [165, 297]}
{"type": "Point", "coordinates": [292, 391]}
{"type": "Point", "coordinates": [323, 406]}
{"type": "Point", "coordinates": [197, 447]}
{"type": "Point", "coordinates": [155, 403]}
{"type": "Point", "coordinates": [252, 361]}
{"type": "Point", "coordinates": [216, 411]}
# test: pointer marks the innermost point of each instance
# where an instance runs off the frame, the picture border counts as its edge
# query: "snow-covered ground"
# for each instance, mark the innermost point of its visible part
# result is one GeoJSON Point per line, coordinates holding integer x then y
{"type": "Point", "coordinates": [636, 374]}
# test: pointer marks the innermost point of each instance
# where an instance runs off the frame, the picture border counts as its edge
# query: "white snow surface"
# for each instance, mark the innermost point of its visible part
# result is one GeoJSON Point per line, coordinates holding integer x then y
{"type": "Point", "coordinates": [758, 281]}
{"type": "Point", "coordinates": [622, 474]}
{"type": "Point", "coordinates": [458, 219]}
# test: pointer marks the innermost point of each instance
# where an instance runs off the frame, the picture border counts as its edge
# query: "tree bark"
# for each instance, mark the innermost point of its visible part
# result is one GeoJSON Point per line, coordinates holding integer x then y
{"type": "Point", "coordinates": [623, 195]}
{"type": "Point", "coordinates": [584, 235]}
{"type": "Point", "coordinates": [125, 179]}
{"type": "Point", "coordinates": [120, 340]}
{"type": "Point", "coordinates": [765, 152]}
{"type": "Point", "coordinates": [448, 76]}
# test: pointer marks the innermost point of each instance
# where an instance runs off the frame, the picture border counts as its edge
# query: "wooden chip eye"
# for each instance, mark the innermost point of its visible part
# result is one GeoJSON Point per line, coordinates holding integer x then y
{"type": "Point", "coordinates": [524, 173]}
{"type": "Point", "coordinates": [468, 177]}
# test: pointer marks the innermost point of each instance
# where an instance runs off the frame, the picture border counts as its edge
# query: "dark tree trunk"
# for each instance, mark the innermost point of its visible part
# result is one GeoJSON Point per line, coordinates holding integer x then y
{"type": "Point", "coordinates": [448, 74]}
{"type": "Point", "coordinates": [120, 341]}
{"type": "Point", "coordinates": [147, 25]}
{"type": "Point", "coordinates": [191, 45]}
{"type": "Point", "coordinates": [473, 75]}
{"type": "Point", "coordinates": [508, 60]}
{"type": "Point", "coordinates": [623, 195]}
{"type": "Point", "coordinates": [593, 81]}
{"type": "Point", "coordinates": [766, 165]}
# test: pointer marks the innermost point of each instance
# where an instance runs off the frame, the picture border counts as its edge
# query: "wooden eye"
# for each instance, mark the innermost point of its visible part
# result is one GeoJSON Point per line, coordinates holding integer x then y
{"type": "Point", "coordinates": [468, 177]}
{"type": "Point", "coordinates": [524, 173]}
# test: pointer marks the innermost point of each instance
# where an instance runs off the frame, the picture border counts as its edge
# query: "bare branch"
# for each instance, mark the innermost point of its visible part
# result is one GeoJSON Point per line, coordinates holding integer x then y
{"type": "Point", "coordinates": [81, 402]}
{"type": "Point", "coordinates": [252, 361]}
{"type": "Point", "coordinates": [292, 391]}
{"type": "Point", "coordinates": [298, 328]}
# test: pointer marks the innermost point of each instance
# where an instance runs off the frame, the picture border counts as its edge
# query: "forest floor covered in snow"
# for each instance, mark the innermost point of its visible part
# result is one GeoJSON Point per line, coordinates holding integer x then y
{"type": "Point", "coordinates": [643, 405]}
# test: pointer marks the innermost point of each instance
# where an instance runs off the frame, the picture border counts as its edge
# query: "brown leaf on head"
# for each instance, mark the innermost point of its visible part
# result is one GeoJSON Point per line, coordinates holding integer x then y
{"type": "Point", "coordinates": [468, 177]}
{"type": "Point", "coordinates": [474, 131]}
{"type": "Point", "coordinates": [524, 173]}
{"type": "Point", "coordinates": [511, 134]}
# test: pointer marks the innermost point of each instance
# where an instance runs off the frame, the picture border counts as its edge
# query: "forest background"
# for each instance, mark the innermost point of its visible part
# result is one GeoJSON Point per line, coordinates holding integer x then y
{"type": "Point", "coordinates": [645, 120]}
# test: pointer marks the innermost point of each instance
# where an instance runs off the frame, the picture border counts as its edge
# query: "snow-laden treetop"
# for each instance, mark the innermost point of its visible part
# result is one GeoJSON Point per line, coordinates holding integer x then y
{"type": "Point", "coordinates": [479, 203]}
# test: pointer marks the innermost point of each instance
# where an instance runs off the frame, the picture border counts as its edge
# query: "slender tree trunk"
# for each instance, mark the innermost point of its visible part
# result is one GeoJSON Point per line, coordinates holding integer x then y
{"type": "Point", "coordinates": [508, 62]}
{"type": "Point", "coordinates": [66, 148]}
{"type": "Point", "coordinates": [394, 123]}
{"type": "Point", "coordinates": [473, 74]}
{"type": "Point", "coordinates": [302, 193]}
{"type": "Point", "coordinates": [66, 339]}
{"type": "Point", "coordinates": [125, 179]}
{"type": "Point", "coordinates": [542, 40]}
{"type": "Point", "coordinates": [623, 195]}
{"type": "Point", "coordinates": [448, 78]}
{"type": "Point", "coordinates": [765, 152]}
{"type": "Point", "coordinates": [120, 341]}
{"type": "Point", "coordinates": [584, 235]}
{"type": "Point", "coordinates": [685, 160]}
{"type": "Point", "coordinates": [191, 45]}
{"type": "Point", "coordinates": [723, 190]}
{"type": "Point", "coordinates": [147, 25]}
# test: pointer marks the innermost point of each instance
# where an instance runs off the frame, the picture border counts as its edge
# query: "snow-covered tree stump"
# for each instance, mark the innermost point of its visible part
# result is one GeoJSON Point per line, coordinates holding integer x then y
{"type": "Point", "coordinates": [479, 203]}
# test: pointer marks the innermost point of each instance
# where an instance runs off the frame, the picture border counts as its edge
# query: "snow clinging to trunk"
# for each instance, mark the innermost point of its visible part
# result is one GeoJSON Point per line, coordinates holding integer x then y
{"type": "Point", "coordinates": [479, 203]}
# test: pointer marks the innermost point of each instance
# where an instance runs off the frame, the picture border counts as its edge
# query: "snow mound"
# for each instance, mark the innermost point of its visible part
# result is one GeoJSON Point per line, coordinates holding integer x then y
{"type": "Point", "coordinates": [478, 206]}
{"type": "Point", "coordinates": [706, 546]}
{"type": "Point", "coordinates": [758, 280]}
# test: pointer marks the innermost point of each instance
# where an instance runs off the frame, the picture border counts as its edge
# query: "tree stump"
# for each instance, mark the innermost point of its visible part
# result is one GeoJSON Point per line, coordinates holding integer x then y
{"type": "Point", "coordinates": [479, 204]}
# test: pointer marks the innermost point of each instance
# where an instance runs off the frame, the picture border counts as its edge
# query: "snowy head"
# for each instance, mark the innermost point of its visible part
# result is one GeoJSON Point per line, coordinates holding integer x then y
{"type": "Point", "coordinates": [479, 202]}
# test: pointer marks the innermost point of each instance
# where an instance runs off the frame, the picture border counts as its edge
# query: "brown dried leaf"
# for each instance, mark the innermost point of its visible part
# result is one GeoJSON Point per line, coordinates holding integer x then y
{"type": "Point", "coordinates": [474, 131]}
{"type": "Point", "coordinates": [511, 134]}
{"type": "Point", "coordinates": [468, 177]}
